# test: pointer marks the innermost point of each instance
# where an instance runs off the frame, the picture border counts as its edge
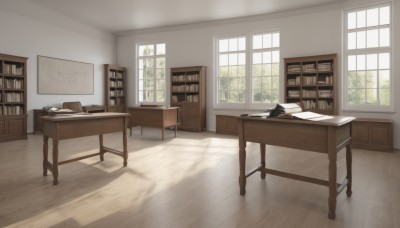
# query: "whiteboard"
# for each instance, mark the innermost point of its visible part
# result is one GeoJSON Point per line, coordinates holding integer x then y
{"type": "Point", "coordinates": [60, 76]}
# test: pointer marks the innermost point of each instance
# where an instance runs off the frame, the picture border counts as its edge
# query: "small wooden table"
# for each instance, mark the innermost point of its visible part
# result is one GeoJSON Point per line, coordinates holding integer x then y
{"type": "Point", "coordinates": [158, 117]}
{"type": "Point", "coordinates": [325, 136]}
{"type": "Point", "coordinates": [67, 126]}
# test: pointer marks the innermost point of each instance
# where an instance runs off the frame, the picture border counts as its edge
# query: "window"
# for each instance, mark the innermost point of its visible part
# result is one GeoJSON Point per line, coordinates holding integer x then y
{"type": "Point", "coordinates": [367, 59]}
{"type": "Point", "coordinates": [231, 70]}
{"type": "Point", "coordinates": [151, 73]}
{"type": "Point", "coordinates": [265, 68]}
{"type": "Point", "coordinates": [243, 85]}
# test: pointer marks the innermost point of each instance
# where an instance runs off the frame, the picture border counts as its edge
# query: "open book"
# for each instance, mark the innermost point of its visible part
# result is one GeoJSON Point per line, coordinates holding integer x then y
{"type": "Point", "coordinates": [294, 111]}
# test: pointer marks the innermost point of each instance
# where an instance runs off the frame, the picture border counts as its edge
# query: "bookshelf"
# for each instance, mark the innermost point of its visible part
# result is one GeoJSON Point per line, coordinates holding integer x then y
{"type": "Point", "coordinates": [188, 93]}
{"type": "Point", "coordinates": [13, 94]}
{"type": "Point", "coordinates": [115, 88]}
{"type": "Point", "coordinates": [311, 83]}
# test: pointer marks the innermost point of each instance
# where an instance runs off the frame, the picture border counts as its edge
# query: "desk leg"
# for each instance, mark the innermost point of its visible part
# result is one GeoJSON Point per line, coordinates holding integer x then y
{"type": "Point", "coordinates": [101, 148]}
{"type": "Point", "coordinates": [125, 152]}
{"type": "Point", "coordinates": [55, 161]}
{"type": "Point", "coordinates": [262, 151]}
{"type": "Point", "coordinates": [176, 127]}
{"type": "Point", "coordinates": [45, 154]}
{"type": "Point", "coordinates": [332, 185]}
{"type": "Point", "coordinates": [349, 167]}
{"type": "Point", "coordinates": [242, 164]}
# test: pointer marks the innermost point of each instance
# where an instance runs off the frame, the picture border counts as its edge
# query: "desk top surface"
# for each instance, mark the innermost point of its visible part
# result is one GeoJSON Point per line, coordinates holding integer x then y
{"type": "Point", "coordinates": [83, 116]}
{"type": "Point", "coordinates": [153, 108]}
{"type": "Point", "coordinates": [334, 121]}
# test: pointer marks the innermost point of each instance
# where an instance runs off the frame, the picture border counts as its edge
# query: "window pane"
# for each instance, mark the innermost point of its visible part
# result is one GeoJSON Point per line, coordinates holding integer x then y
{"type": "Point", "coordinates": [361, 39]}
{"type": "Point", "coordinates": [372, 96]}
{"type": "Point", "coordinates": [224, 83]}
{"type": "Point", "coordinates": [372, 17]}
{"type": "Point", "coordinates": [223, 71]}
{"type": "Point", "coordinates": [160, 96]}
{"type": "Point", "coordinates": [384, 97]}
{"type": "Point", "coordinates": [352, 80]}
{"type": "Point", "coordinates": [351, 41]}
{"type": "Point", "coordinates": [242, 44]}
{"type": "Point", "coordinates": [372, 79]}
{"type": "Point", "coordinates": [384, 61]}
{"type": "Point", "coordinates": [140, 63]}
{"type": "Point", "coordinates": [241, 95]}
{"type": "Point", "coordinates": [257, 58]}
{"type": "Point", "coordinates": [140, 74]}
{"type": "Point", "coordinates": [267, 70]}
{"type": "Point", "coordinates": [223, 45]}
{"type": "Point", "coordinates": [233, 71]}
{"type": "Point", "coordinates": [223, 60]}
{"type": "Point", "coordinates": [351, 63]}
{"type": "Point", "coordinates": [257, 91]}
{"type": "Point", "coordinates": [141, 85]}
{"type": "Point", "coordinates": [233, 59]}
{"type": "Point", "coordinates": [361, 79]}
{"type": "Point", "coordinates": [351, 20]}
{"type": "Point", "coordinates": [267, 57]}
{"type": "Point", "coordinates": [361, 19]}
{"type": "Point", "coordinates": [141, 50]}
{"type": "Point", "coordinates": [149, 50]}
{"type": "Point", "coordinates": [372, 61]}
{"type": "Point", "coordinates": [267, 40]}
{"type": "Point", "coordinates": [160, 49]}
{"type": "Point", "coordinates": [384, 79]}
{"type": "Point", "coordinates": [242, 71]}
{"type": "Point", "coordinates": [266, 83]}
{"type": "Point", "coordinates": [275, 56]}
{"type": "Point", "coordinates": [241, 83]}
{"type": "Point", "coordinates": [384, 15]}
{"type": "Point", "coordinates": [233, 44]}
{"type": "Point", "coordinates": [257, 42]}
{"type": "Point", "coordinates": [233, 96]}
{"type": "Point", "coordinates": [242, 59]}
{"type": "Point", "coordinates": [275, 69]}
{"type": "Point", "coordinates": [257, 70]}
{"type": "Point", "coordinates": [160, 62]}
{"type": "Point", "coordinates": [160, 73]}
{"type": "Point", "coordinates": [360, 62]}
{"type": "Point", "coordinates": [372, 38]}
{"type": "Point", "coordinates": [275, 40]}
{"type": "Point", "coordinates": [160, 85]}
{"type": "Point", "coordinates": [384, 37]}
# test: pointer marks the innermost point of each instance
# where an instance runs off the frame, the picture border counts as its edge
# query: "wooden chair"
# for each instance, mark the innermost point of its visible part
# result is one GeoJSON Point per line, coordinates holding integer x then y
{"type": "Point", "coordinates": [75, 106]}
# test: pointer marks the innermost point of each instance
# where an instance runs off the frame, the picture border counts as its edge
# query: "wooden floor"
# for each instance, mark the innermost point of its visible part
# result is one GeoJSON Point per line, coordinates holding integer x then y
{"type": "Point", "coordinates": [189, 181]}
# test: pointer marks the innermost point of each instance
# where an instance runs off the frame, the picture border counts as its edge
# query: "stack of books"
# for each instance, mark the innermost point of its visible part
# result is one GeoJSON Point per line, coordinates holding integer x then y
{"type": "Point", "coordinates": [324, 67]}
{"type": "Point", "coordinates": [293, 68]}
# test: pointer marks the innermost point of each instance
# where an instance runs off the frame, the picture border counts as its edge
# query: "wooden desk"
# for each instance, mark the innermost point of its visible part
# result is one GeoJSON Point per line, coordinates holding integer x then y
{"type": "Point", "coordinates": [157, 117]}
{"type": "Point", "coordinates": [326, 136]}
{"type": "Point", "coordinates": [67, 126]}
{"type": "Point", "coordinates": [38, 113]}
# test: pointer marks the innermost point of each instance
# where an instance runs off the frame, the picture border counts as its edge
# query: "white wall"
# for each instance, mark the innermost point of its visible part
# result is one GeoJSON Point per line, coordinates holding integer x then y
{"type": "Point", "coordinates": [45, 33]}
{"type": "Point", "coordinates": [303, 32]}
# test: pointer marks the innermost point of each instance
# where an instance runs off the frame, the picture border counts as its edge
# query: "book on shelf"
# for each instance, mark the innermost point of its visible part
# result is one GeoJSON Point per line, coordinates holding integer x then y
{"type": "Point", "coordinates": [309, 93]}
{"type": "Point", "coordinates": [13, 97]}
{"type": "Point", "coordinates": [13, 69]}
{"type": "Point", "coordinates": [324, 66]}
{"type": "Point", "coordinates": [325, 93]}
{"type": "Point", "coordinates": [309, 80]}
{"type": "Point", "coordinates": [309, 68]}
{"type": "Point", "coordinates": [294, 93]}
{"type": "Point", "coordinates": [293, 68]}
{"type": "Point", "coordinates": [9, 110]}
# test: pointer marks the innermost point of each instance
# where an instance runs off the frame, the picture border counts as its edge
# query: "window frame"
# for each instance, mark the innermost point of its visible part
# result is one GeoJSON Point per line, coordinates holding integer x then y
{"type": "Point", "coordinates": [365, 51]}
{"type": "Point", "coordinates": [248, 101]}
{"type": "Point", "coordinates": [137, 89]}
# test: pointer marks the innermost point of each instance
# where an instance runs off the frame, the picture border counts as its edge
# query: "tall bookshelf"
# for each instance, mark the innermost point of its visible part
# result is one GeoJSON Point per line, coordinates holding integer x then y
{"type": "Point", "coordinates": [13, 102]}
{"type": "Point", "coordinates": [311, 83]}
{"type": "Point", "coordinates": [188, 92]}
{"type": "Point", "coordinates": [115, 88]}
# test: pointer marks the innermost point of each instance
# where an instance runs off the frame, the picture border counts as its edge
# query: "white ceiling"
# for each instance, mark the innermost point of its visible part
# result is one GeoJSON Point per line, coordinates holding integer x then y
{"type": "Point", "coordinates": [125, 15]}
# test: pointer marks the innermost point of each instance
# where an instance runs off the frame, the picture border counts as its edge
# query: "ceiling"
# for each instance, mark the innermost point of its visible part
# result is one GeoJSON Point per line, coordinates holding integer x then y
{"type": "Point", "coordinates": [125, 15]}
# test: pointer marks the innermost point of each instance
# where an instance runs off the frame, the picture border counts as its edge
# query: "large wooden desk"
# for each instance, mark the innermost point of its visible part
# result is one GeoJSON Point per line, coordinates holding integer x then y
{"type": "Point", "coordinates": [157, 117]}
{"type": "Point", "coordinates": [67, 126]}
{"type": "Point", "coordinates": [325, 136]}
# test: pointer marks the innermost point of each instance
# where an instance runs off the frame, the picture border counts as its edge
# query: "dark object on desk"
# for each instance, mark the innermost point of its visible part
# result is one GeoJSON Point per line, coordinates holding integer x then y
{"type": "Point", "coordinates": [93, 108]}
{"type": "Point", "coordinates": [74, 105]}
{"type": "Point", "coordinates": [284, 109]}
{"type": "Point", "coordinates": [325, 136]}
